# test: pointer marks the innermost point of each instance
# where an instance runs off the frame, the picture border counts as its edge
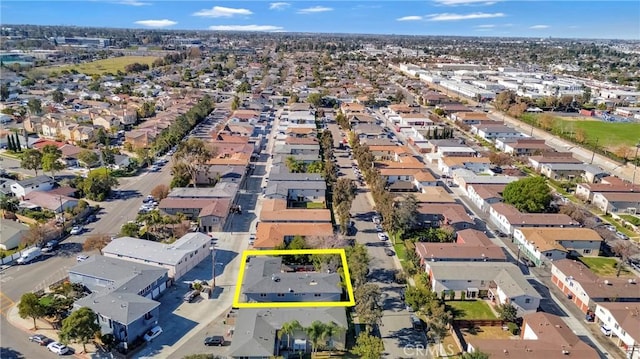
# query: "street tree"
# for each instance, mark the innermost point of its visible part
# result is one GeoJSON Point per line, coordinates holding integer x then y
{"type": "Point", "coordinates": [289, 328]}
{"type": "Point", "coordinates": [368, 306]}
{"type": "Point", "coordinates": [181, 177]}
{"type": "Point", "coordinates": [130, 230]}
{"type": "Point", "coordinates": [89, 158]}
{"type": "Point", "coordinates": [418, 297]}
{"type": "Point", "coordinates": [50, 159]}
{"type": "Point", "coordinates": [36, 235]}
{"type": "Point", "coordinates": [57, 96]}
{"type": "Point", "coordinates": [405, 214]}
{"type": "Point", "coordinates": [160, 192]}
{"type": "Point", "coordinates": [97, 185]}
{"type": "Point", "coordinates": [438, 319]}
{"type": "Point", "coordinates": [30, 307]}
{"type": "Point", "coordinates": [81, 326]}
{"type": "Point", "coordinates": [368, 346]}
{"type": "Point", "coordinates": [531, 194]}
{"type": "Point", "coordinates": [507, 312]}
{"type": "Point", "coordinates": [625, 250]}
{"type": "Point", "coordinates": [31, 159]}
{"type": "Point", "coordinates": [96, 241]}
{"type": "Point", "coordinates": [35, 106]}
{"type": "Point", "coordinates": [358, 261]}
{"type": "Point", "coordinates": [194, 153]}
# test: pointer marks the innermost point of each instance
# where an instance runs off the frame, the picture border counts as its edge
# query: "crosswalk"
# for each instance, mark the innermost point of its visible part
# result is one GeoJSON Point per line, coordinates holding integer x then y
{"type": "Point", "coordinates": [5, 304]}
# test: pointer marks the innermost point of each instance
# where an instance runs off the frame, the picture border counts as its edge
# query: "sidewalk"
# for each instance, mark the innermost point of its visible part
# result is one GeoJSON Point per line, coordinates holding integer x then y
{"type": "Point", "coordinates": [44, 328]}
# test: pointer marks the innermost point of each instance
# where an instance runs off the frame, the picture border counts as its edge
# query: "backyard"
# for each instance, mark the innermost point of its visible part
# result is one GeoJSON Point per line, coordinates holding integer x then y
{"type": "Point", "coordinates": [485, 332]}
{"type": "Point", "coordinates": [470, 309]}
{"type": "Point", "coordinates": [604, 267]}
{"type": "Point", "coordinates": [101, 67]}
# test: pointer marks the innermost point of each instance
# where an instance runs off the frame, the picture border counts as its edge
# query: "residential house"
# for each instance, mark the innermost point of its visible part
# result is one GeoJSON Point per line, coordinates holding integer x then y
{"type": "Point", "coordinates": [469, 118]}
{"type": "Point", "coordinates": [465, 178]}
{"type": "Point", "coordinates": [40, 183]}
{"type": "Point", "coordinates": [471, 246]}
{"type": "Point", "coordinates": [213, 217]}
{"type": "Point", "coordinates": [369, 131]}
{"type": "Point", "coordinates": [585, 289]}
{"type": "Point", "coordinates": [5, 186]}
{"type": "Point", "coordinates": [107, 122]}
{"type": "Point", "coordinates": [351, 108]}
{"type": "Point", "coordinates": [178, 257]}
{"type": "Point", "coordinates": [453, 107]}
{"type": "Point", "coordinates": [296, 192]}
{"type": "Point", "coordinates": [222, 173]}
{"type": "Point", "coordinates": [266, 281]}
{"type": "Point", "coordinates": [194, 208]}
{"type": "Point", "coordinates": [276, 210]}
{"type": "Point", "coordinates": [494, 132]}
{"type": "Point", "coordinates": [140, 138]}
{"type": "Point", "coordinates": [523, 146]}
{"type": "Point", "coordinates": [437, 215]}
{"type": "Point", "coordinates": [617, 202]}
{"type": "Point", "coordinates": [484, 195]}
{"type": "Point", "coordinates": [508, 218]}
{"type": "Point", "coordinates": [55, 202]}
{"type": "Point", "coordinates": [122, 295]}
{"type": "Point", "coordinates": [572, 171]}
{"type": "Point", "coordinates": [500, 282]}
{"type": "Point", "coordinates": [586, 191]}
{"type": "Point", "coordinates": [543, 335]}
{"type": "Point", "coordinates": [431, 194]}
{"type": "Point", "coordinates": [11, 234]}
{"type": "Point", "coordinates": [259, 331]}
{"type": "Point", "coordinates": [475, 164]}
{"type": "Point", "coordinates": [622, 320]}
{"type": "Point", "coordinates": [220, 190]}
{"type": "Point", "coordinates": [552, 157]}
{"type": "Point", "coordinates": [551, 244]}
{"type": "Point", "coordinates": [270, 235]}
{"type": "Point", "coordinates": [293, 150]}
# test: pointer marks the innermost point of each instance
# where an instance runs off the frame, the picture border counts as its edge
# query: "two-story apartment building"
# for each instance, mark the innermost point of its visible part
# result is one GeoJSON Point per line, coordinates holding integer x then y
{"type": "Point", "coordinates": [551, 244]}
{"type": "Point", "coordinates": [508, 218]}
{"type": "Point", "coordinates": [621, 323]}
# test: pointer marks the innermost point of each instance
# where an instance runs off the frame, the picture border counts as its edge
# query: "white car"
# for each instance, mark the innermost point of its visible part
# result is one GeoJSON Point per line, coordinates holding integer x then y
{"type": "Point", "coordinates": [58, 348]}
{"type": "Point", "coordinates": [153, 333]}
{"type": "Point", "coordinates": [382, 236]}
{"type": "Point", "coordinates": [81, 257]}
{"type": "Point", "coordinates": [76, 230]}
{"type": "Point", "coordinates": [376, 219]}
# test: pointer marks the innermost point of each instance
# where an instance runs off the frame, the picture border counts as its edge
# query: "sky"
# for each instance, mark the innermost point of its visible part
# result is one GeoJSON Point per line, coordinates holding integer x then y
{"type": "Point", "coordinates": [503, 18]}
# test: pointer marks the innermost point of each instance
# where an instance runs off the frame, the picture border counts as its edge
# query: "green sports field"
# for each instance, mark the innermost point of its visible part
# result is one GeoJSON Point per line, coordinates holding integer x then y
{"type": "Point", "coordinates": [101, 67]}
{"type": "Point", "coordinates": [608, 134]}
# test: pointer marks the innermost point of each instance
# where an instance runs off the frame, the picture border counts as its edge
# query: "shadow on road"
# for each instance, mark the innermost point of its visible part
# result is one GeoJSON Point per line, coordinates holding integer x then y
{"type": "Point", "coordinates": [546, 303]}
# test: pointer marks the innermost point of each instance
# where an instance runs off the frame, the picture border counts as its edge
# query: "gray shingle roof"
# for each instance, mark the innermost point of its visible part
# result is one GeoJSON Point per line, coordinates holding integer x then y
{"type": "Point", "coordinates": [157, 252]}
{"type": "Point", "coordinates": [220, 190]}
{"type": "Point", "coordinates": [35, 180]}
{"type": "Point", "coordinates": [256, 329]}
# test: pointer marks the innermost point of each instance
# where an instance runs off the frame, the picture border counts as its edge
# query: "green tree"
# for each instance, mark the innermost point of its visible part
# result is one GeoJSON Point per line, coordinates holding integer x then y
{"type": "Point", "coordinates": [289, 328]}
{"type": "Point", "coordinates": [193, 154]}
{"type": "Point", "coordinates": [11, 146]}
{"type": "Point", "coordinates": [315, 333]}
{"type": "Point", "coordinates": [235, 103]}
{"type": "Point", "coordinates": [315, 99]}
{"type": "Point", "coordinates": [30, 307]}
{"type": "Point", "coordinates": [315, 167]}
{"type": "Point", "coordinates": [358, 261]}
{"type": "Point", "coordinates": [405, 215]}
{"type": "Point", "coordinates": [531, 194]}
{"type": "Point", "coordinates": [81, 325]}
{"type": "Point", "coordinates": [438, 319]}
{"type": "Point", "coordinates": [35, 106]}
{"type": "Point", "coordinates": [130, 230]}
{"type": "Point", "coordinates": [16, 141]}
{"type": "Point", "coordinates": [507, 312]}
{"type": "Point", "coordinates": [4, 92]}
{"type": "Point", "coordinates": [31, 160]}
{"type": "Point", "coordinates": [98, 185]}
{"type": "Point", "coordinates": [368, 346]}
{"type": "Point", "coordinates": [294, 165]}
{"type": "Point", "coordinates": [50, 159]}
{"type": "Point", "coordinates": [57, 96]}
{"type": "Point", "coordinates": [8, 203]}
{"type": "Point", "coordinates": [89, 158]}
{"type": "Point", "coordinates": [368, 305]}
{"type": "Point", "coordinates": [418, 297]}
{"type": "Point", "coordinates": [331, 330]}
{"type": "Point", "coordinates": [625, 250]}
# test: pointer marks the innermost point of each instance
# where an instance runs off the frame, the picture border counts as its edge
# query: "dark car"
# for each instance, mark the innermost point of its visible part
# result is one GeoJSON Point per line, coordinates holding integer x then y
{"type": "Point", "coordinates": [214, 340]}
{"type": "Point", "coordinates": [51, 246]}
{"type": "Point", "coordinates": [388, 252]}
{"type": "Point", "coordinates": [40, 339]}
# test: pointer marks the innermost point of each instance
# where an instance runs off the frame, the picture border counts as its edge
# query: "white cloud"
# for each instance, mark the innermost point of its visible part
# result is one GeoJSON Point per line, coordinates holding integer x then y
{"type": "Point", "coordinates": [245, 28]}
{"type": "Point", "coordinates": [465, 2]}
{"type": "Point", "coordinates": [220, 11]}
{"type": "Point", "coordinates": [156, 23]}
{"type": "Point", "coordinates": [456, 17]}
{"type": "Point", "coordinates": [410, 18]}
{"type": "Point", "coordinates": [133, 3]}
{"type": "Point", "coordinates": [314, 9]}
{"type": "Point", "coordinates": [539, 27]}
{"type": "Point", "coordinates": [279, 5]}
{"type": "Point", "coordinates": [485, 26]}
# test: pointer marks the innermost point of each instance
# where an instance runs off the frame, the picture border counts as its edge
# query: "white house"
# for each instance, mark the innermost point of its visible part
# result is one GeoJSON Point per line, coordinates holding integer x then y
{"type": "Point", "coordinates": [621, 322]}
{"type": "Point", "coordinates": [40, 183]}
{"type": "Point", "coordinates": [179, 257]}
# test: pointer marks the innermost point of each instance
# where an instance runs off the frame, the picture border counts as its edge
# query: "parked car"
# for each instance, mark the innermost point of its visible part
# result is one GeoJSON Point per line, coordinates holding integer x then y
{"type": "Point", "coordinates": [51, 245]}
{"type": "Point", "coordinates": [76, 230]}
{"type": "Point", "coordinates": [217, 340]}
{"type": "Point", "coordinates": [81, 258]}
{"type": "Point", "coordinates": [40, 339]}
{"type": "Point", "coordinates": [376, 219]}
{"type": "Point", "coordinates": [379, 228]}
{"type": "Point", "coordinates": [153, 333]}
{"type": "Point", "coordinates": [191, 296]}
{"type": "Point", "coordinates": [382, 236]}
{"type": "Point", "coordinates": [389, 252]}
{"type": "Point", "coordinates": [58, 348]}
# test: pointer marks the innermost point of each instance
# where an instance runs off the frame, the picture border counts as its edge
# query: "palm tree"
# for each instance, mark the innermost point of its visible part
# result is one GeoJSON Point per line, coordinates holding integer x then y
{"type": "Point", "coordinates": [330, 330]}
{"type": "Point", "coordinates": [316, 332]}
{"type": "Point", "coordinates": [289, 328]}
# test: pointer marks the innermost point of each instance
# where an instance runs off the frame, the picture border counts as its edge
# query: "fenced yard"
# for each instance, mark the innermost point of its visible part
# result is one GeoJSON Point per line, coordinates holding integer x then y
{"type": "Point", "coordinates": [471, 309]}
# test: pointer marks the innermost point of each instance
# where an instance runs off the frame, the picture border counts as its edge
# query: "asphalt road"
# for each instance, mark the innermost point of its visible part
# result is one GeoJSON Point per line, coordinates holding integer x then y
{"type": "Point", "coordinates": [16, 280]}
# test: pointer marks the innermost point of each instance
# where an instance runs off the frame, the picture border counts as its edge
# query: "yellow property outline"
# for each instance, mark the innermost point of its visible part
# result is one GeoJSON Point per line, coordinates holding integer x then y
{"type": "Point", "coordinates": [243, 261]}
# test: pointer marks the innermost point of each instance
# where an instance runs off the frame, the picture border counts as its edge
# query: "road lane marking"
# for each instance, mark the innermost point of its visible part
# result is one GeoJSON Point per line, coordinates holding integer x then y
{"type": "Point", "coordinates": [5, 303]}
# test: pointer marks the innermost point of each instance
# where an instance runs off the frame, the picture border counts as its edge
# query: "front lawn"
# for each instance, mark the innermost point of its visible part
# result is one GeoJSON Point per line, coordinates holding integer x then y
{"type": "Point", "coordinates": [631, 219]}
{"type": "Point", "coordinates": [315, 205]}
{"type": "Point", "coordinates": [401, 251]}
{"type": "Point", "coordinates": [604, 266]}
{"type": "Point", "coordinates": [470, 309]}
